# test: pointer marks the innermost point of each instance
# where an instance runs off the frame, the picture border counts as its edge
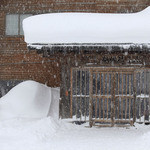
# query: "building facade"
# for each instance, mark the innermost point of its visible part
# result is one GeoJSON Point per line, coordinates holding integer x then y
{"type": "Point", "coordinates": [70, 70]}
{"type": "Point", "coordinates": [17, 63]}
{"type": "Point", "coordinates": [104, 63]}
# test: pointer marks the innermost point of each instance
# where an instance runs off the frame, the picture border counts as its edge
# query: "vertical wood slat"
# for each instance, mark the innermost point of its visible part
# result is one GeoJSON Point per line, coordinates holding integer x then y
{"type": "Point", "coordinates": [103, 83]}
{"type": "Point", "coordinates": [96, 98]}
{"type": "Point", "coordinates": [80, 95]}
{"type": "Point", "coordinates": [103, 94]}
{"type": "Point", "coordinates": [147, 82]}
{"type": "Point", "coordinates": [129, 98]}
{"type": "Point", "coordinates": [90, 104]}
{"type": "Point", "coordinates": [85, 99]}
{"type": "Point", "coordinates": [145, 95]}
{"type": "Point", "coordinates": [113, 99]}
{"type": "Point", "coordinates": [107, 92]}
{"type": "Point", "coordinates": [71, 93]}
{"type": "Point", "coordinates": [100, 98]}
{"type": "Point", "coordinates": [140, 98]}
{"type": "Point", "coordinates": [149, 92]}
{"type": "Point", "coordinates": [103, 107]}
{"type": "Point", "coordinates": [118, 95]}
{"type": "Point", "coordinates": [134, 97]}
{"type": "Point", "coordinates": [122, 100]}
{"type": "Point", "coordinates": [76, 92]}
{"type": "Point", "coordinates": [113, 85]}
{"type": "Point", "coordinates": [126, 98]}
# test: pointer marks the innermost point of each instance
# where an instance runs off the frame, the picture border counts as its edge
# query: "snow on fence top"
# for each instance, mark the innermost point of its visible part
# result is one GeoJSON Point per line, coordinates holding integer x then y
{"type": "Point", "coordinates": [61, 28]}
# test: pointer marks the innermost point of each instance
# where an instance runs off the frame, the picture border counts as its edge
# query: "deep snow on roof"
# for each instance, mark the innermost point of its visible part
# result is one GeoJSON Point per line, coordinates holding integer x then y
{"type": "Point", "coordinates": [57, 28]}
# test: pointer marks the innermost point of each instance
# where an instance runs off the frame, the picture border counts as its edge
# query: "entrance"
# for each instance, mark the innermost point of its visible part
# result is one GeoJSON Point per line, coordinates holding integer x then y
{"type": "Point", "coordinates": [109, 96]}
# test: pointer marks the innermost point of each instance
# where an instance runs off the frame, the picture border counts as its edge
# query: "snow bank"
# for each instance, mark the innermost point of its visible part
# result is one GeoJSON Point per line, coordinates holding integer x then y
{"type": "Point", "coordinates": [28, 99]}
{"type": "Point", "coordinates": [88, 28]}
{"type": "Point", "coordinates": [26, 134]}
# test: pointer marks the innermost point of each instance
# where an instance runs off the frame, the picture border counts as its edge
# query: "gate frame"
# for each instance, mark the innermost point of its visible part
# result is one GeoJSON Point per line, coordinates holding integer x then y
{"type": "Point", "coordinates": [113, 70]}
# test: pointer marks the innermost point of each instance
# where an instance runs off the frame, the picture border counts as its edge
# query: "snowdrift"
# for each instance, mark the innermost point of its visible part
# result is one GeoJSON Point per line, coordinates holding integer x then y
{"type": "Point", "coordinates": [28, 99]}
{"type": "Point", "coordinates": [58, 28]}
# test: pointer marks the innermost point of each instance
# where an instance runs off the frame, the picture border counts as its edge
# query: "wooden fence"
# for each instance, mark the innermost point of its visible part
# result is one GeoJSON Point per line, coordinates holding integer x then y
{"type": "Point", "coordinates": [110, 95]}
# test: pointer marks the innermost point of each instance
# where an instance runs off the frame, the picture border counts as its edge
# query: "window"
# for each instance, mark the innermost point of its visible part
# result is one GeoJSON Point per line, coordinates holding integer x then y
{"type": "Point", "coordinates": [14, 24]}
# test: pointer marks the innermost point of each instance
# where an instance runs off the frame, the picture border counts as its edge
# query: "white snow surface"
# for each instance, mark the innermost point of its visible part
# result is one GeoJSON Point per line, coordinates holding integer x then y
{"type": "Point", "coordinates": [28, 99]}
{"type": "Point", "coordinates": [56, 28]}
{"type": "Point", "coordinates": [50, 134]}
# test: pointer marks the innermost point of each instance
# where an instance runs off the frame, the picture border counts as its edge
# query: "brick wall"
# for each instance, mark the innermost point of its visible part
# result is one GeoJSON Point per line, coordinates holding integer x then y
{"type": "Point", "coordinates": [17, 63]}
{"type": "Point", "coordinates": [30, 66]}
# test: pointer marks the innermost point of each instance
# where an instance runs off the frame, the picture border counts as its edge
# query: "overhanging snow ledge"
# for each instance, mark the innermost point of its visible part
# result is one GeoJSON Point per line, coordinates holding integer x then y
{"type": "Point", "coordinates": [87, 47]}
{"type": "Point", "coordinates": [88, 28]}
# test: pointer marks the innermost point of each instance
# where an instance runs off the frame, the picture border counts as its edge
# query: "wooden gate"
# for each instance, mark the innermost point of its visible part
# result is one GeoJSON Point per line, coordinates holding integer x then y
{"type": "Point", "coordinates": [112, 96]}
{"type": "Point", "coordinates": [106, 96]}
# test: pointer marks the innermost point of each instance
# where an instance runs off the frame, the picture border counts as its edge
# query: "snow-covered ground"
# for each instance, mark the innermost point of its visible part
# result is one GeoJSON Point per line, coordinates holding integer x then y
{"type": "Point", "coordinates": [19, 132]}
{"type": "Point", "coordinates": [49, 134]}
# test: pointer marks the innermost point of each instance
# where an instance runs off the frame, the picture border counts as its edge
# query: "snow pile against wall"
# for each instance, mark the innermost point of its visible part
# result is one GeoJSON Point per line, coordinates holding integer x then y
{"type": "Point", "coordinates": [54, 107]}
{"type": "Point", "coordinates": [28, 99]}
{"type": "Point", "coordinates": [88, 28]}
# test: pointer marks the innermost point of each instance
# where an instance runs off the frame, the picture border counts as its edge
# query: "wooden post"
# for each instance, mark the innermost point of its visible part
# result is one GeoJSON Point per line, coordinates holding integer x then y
{"type": "Point", "coordinates": [107, 91]}
{"type": "Point", "coordinates": [118, 95]}
{"type": "Point", "coordinates": [80, 95]}
{"type": "Point", "coordinates": [85, 97]}
{"type": "Point", "coordinates": [76, 93]}
{"type": "Point", "coordinates": [130, 97]}
{"type": "Point", "coordinates": [65, 86]}
{"type": "Point", "coordinates": [96, 97]}
{"type": "Point", "coordinates": [113, 99]}
{"type": "Point", "coordinates": [134, 97]}
{"type": "Point", "coordinates": [126, 98]}
{"type": "Point", "coordinates": [140, 95]}
{"type": "Point", "coordinates": [90, 102]}
{"type": "Point", "coordinates": [103, 94]}
{"type": "Point", "coordinates": [100, 98]}
{"type": "Point", "coordinates": [145, 95]}
{"type": "Point", "coordinates": [149, 91]}
{"type": "Point", "coordinates": [122, 98]}
{"type": "Point", "coordinates": [71, 93]}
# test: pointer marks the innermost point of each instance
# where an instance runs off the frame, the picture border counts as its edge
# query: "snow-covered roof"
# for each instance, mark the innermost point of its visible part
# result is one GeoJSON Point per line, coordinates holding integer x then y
{"type": "Point", "coordinates": [56, 28]}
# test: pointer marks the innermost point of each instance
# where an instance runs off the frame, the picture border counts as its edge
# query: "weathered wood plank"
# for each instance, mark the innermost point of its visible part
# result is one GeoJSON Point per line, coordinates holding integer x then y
{"type": "Point", "coordinates": [71, 86]}
{"type": "Point", "coordinates": [91, 99]}
{"type": "Point", "coordinates": [134, 99]}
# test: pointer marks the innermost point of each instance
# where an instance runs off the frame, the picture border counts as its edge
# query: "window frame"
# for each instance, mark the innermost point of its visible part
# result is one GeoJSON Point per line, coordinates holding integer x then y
{"type": "Point", "coordinates": [19, 27]}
